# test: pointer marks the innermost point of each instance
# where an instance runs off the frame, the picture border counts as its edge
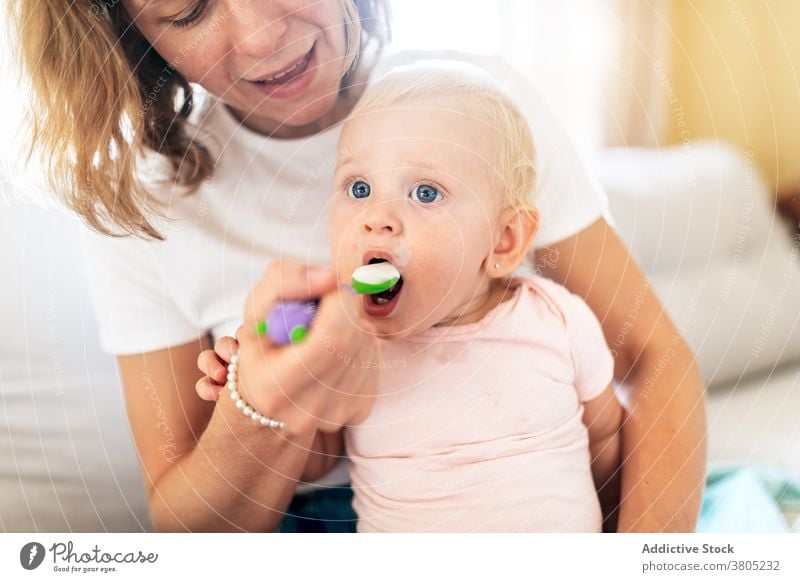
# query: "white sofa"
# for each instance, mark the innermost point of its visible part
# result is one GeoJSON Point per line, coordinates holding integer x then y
{"type": "Point", "coordinates": [67, 462]}
{"type": "Point", "coordinates": [700, 221]}
{"type": "Point", "coordinates": [697, 220]}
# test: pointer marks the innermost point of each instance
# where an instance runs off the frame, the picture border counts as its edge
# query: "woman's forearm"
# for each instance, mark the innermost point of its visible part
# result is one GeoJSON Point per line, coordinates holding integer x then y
{"type": "Point", "coordinates": [239, 477]}
{"type": "Point", "coordinates": [606, 473]}
{"type": "Point", "coordinates": [663, 438]}
{"type": "Point", "coordinates": [664, 442]}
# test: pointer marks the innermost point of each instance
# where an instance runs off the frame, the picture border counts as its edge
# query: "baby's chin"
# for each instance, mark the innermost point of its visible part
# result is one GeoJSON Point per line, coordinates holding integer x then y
{"type": "Point", "coordinates": [386, 328]}
{"type": "Point", "coordinates": [413, 313]}
{"type": "Point", "coordinates": [400, 325]}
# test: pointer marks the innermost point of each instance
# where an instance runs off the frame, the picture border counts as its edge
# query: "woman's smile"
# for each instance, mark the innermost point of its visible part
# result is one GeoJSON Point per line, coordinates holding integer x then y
{"type": "Point", "coordinates": [292, 81]}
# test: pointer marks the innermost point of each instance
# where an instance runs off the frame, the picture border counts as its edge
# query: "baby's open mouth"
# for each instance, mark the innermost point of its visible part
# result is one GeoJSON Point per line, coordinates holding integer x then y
{"type": "Point", "coordinates": [382, 303]}
{"type": "Point", "coordinates": [385, 296]}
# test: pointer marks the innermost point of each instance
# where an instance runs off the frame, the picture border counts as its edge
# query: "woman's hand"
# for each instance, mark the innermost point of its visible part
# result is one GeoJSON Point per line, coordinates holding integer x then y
{"type": "Point", "coordinates": [323, 383]}
{"type": "Point", "coordinates": [214, 364]}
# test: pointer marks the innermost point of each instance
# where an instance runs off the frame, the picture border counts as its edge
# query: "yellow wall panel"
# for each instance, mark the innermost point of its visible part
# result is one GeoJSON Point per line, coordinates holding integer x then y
{"type": "Point", "coordinates": [734, 70]}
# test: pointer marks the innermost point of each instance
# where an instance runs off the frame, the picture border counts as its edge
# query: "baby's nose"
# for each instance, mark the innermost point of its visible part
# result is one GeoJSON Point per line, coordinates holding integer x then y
{"type": "Point", "coordinates": [380, 226]}
{"type": "Point", "coordinates": [382, 220]}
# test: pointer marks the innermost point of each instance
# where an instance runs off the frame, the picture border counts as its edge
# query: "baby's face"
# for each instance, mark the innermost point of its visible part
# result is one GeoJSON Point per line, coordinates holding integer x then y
{"type": "Point", "coordinates": [417, 184]}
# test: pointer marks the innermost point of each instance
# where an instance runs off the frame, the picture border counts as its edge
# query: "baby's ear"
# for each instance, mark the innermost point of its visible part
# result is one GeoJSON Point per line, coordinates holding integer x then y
{"type": "Point", "coordinates": [517, 229]}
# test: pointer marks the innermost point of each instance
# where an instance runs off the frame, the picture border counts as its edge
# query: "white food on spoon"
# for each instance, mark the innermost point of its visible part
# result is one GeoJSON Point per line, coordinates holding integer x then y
{"type": "Point", "coordinates": [376, 273]}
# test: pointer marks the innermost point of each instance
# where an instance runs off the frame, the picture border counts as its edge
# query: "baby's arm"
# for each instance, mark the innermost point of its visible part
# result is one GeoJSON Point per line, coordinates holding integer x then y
{"type": "Point", "coordinates": [603, 416]}
{"type": "Point", "coordinates": [325, 453]}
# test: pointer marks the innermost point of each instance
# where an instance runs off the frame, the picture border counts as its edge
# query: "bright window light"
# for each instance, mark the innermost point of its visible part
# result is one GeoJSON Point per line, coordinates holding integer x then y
{"type": "Point", "coordinates": [447, 24]}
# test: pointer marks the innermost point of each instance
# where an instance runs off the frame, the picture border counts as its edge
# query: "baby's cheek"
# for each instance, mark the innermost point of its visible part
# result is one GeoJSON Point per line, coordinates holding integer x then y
{"type": "Point", "coordinates": [340, 220]}
{"type": "Point", "coordinates": [342, 242]}
{"type": "Point", "coordinates": [444, 282]}
{"type": "Point", "coordinates": [456, 257]}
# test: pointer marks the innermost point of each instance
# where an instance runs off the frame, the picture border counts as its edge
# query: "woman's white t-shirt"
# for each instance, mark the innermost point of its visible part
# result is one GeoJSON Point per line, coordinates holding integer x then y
{"type": "Point", "coordinates": [268, 198]}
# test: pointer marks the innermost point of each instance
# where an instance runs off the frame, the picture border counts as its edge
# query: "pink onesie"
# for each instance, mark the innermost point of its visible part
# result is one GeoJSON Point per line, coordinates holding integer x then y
{"type": "Point", "coordinates": [477, 427]}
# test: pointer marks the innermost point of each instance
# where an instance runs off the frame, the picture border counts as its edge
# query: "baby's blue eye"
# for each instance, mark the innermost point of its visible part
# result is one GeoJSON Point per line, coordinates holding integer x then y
{"type": "Point", "coordinates": [358, 189]}
{"type": "Point", "coordinates": [425, 193]}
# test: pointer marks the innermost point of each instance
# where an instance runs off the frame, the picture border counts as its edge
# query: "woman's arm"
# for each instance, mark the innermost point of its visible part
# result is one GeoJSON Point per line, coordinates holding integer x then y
{"type": "Point", "coordinates": [602, 416]}
{"type": "Point", "coordinates": [209, 467]}
{"type": "Point", "coordinates": [326, 452]}
{"type": "Point", "coordinates": [206, 467]}
{"type": "Point", "coordinates": [664, 441]}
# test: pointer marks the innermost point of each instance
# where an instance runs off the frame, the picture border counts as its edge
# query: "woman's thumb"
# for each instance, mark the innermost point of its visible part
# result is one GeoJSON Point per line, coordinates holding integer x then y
{"type": "Point", "coordinates": [320, 278]}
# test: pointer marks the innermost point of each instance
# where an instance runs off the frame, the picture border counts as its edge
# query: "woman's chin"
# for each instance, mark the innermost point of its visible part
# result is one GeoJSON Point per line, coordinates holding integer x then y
{"type": "Point", "coordinates": [310, 118]}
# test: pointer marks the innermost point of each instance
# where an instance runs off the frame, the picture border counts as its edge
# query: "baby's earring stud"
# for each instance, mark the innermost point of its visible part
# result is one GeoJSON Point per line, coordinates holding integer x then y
{"type": "Point", "coordinates": [497, 265]}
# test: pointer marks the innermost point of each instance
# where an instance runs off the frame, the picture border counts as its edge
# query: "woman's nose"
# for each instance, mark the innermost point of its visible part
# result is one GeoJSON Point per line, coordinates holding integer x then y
{"type": "Point", "coordinates": [258, 28]}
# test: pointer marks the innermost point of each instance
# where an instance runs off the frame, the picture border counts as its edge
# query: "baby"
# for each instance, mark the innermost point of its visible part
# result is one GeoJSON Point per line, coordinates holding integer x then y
{"type": "Point", "coordinates": [495, 410]}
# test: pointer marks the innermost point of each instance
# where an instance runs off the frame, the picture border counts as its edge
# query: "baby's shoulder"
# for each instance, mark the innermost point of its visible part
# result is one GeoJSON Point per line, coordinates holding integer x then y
{"type": "Point", "coordinates": [550, 297]}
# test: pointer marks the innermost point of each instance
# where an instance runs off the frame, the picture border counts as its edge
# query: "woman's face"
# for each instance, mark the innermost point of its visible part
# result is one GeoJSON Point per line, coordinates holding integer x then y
{"type": "Point", "coordinates": [277, 62]}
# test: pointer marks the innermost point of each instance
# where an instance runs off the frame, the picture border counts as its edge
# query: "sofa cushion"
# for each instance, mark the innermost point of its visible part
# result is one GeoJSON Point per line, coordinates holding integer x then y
{"type": "Point", "coordinates": [699, 221]}
{"type": "Point", "coordinates": [67, 462]}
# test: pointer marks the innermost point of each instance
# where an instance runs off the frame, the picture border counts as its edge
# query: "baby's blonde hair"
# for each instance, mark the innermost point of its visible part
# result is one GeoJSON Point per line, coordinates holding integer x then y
{"type": "Point", "coordinates": [460, 86]}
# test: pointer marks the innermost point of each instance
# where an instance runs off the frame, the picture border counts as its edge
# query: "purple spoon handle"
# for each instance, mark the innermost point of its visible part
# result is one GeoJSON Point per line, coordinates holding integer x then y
{"type": "Point", "coordinates": [290, 321]}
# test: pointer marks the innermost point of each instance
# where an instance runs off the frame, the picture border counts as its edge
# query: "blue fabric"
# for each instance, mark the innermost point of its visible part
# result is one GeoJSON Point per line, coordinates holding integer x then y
{"type": "Point", "coordinates": [737, 499]}
{"type": "Point", "coordinates": [327, 510]}
{"type": "Point", "coordinates": [748, 499]}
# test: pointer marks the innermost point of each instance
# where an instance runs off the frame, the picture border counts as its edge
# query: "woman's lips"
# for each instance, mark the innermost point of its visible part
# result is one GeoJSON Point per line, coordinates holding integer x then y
{"type": "Point", "coordinates": [292, 82]}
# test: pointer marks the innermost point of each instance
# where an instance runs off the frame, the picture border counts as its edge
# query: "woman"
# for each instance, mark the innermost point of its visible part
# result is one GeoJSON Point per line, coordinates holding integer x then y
{"type": "Point", "coordinates": [240, 182]}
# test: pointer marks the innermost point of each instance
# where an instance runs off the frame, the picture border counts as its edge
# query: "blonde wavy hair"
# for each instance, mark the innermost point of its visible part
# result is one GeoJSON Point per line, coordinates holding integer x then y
{"type": "Point", "coordinates": [90, 71]}
{"type": "Point", "coordinates": [466, 89]}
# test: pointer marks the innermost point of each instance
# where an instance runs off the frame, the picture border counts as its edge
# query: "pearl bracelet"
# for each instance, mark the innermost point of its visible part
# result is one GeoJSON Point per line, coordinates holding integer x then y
{"type": "Point", "coordinates": [241, 404]}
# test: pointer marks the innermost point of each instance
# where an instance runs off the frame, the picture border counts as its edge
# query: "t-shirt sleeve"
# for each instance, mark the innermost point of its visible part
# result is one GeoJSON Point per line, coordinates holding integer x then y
{"type": "Point", "coordinates": [569, 198]}
{"type": "Point", "coordinates": [134, 310]}
{"type": "Point", "coordinates": [594, 365]}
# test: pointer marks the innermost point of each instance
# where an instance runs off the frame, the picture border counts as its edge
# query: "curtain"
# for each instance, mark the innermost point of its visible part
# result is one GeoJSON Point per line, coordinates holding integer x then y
{"type": "Point", "coordinates": [599, 63]}
{"type": "Point", "coordinates": [638, 89]}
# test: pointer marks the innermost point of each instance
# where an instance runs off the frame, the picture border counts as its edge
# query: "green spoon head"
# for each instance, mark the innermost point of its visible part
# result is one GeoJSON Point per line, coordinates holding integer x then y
{"type": "Point", "coordinates": [374, 278]}
{"type": "Point", "coordinates": [372, 288]}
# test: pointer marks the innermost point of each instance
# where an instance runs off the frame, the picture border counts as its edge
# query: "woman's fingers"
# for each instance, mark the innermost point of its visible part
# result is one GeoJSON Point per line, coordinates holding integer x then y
{"type": "Point", "coordinates": [208, 390]}
{"type": "Point", "coordinates": [226, 347]}
{"type": "Point", "coordinates": [213, 366]}
{"type": "Point", "coordinates": [322, 382]}
{"type": "Point", "coordinates": [337, 337]}
{"type": "Point", "coordinates": [285, 279]}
